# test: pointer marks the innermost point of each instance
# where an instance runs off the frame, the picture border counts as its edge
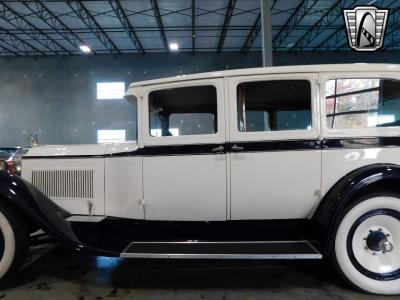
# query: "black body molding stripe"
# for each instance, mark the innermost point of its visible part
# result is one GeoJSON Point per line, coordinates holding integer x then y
{"type": "Point", "coordinates": [204, 149]}
{"type": "Point", "coordinates": [286, 145]}
{"type": "Point", "coordinates": [256, 146]}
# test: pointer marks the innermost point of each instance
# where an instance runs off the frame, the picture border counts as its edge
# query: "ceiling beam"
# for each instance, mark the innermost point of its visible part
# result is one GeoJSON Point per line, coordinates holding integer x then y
{"type": "Point", "coordinates": [43, 13]}
{"type": "Point", "coordinates": [7, 52]}
{"type": "Point", "coordinates": [193, 27]}
{"type": "Point", "coordinates": [160, 25]}
{"type": "Point", "coordinates": [294, 20]}
{"type": "Point", "coordinates": [255, 30]}
{"type": "Point", "coordinates": [80, 10]}
{"type": "Point", "coordinates": [120, 13]}
{"type": "Point", "coordinates": [392, 39]}
{"type": "Point", "coordinates": [16, 20]}
{"type": "Point", "coordinates": [332, 15]}
{"type": "Point", "coordinates": [332, 40]}
{"type": "Point", "coordinates": [228, 16]}
{"type": "Point", "coordinates": [180, 29]}
{"type": "Point", "coordinates": [19, 44]}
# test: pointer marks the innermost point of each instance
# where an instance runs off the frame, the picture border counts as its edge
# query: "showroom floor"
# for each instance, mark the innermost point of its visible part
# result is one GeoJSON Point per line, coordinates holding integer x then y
{"type": "Point", "coordinates": [56, 273]}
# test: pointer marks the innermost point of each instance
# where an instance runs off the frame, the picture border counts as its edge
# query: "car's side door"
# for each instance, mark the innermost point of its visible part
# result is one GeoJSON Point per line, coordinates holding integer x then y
{"type": "Point", "coordinates": [184, 159]}
{"type": "Point", "coordinates": [275, 158]}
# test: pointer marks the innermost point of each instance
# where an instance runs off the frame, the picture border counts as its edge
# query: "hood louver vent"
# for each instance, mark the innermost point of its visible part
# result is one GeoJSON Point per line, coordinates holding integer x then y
{"type": "Point", "coordinates": [64, 184]}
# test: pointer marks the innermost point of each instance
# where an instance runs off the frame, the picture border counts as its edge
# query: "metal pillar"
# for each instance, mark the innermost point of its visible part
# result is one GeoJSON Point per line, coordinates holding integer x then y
{"type": "Point", "coordinates": [266, 32]}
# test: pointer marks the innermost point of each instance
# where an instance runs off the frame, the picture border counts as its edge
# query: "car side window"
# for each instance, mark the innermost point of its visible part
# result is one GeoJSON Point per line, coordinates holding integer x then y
{"type": "Point", "coordinates": [356, 103]}
{"type": "Point", "coordinates": [183, 111]}
{"type": "Point", "coordinates": [274, 105]}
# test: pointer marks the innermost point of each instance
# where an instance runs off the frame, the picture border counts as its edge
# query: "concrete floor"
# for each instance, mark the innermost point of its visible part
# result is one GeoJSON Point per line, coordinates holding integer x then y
{"type": "Point", "coordinates": [56, 273]}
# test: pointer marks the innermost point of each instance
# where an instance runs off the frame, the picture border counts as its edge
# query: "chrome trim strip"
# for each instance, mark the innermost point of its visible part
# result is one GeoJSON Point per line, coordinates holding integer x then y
{"type": "Point", "coordinates": [85, 219]}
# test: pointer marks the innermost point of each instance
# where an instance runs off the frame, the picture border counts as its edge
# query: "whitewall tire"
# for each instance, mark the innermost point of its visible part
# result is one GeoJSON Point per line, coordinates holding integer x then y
{"type": "Point", "coordinates": [14, 241]}
{"type": "Point", "coordinates": [367, 244]}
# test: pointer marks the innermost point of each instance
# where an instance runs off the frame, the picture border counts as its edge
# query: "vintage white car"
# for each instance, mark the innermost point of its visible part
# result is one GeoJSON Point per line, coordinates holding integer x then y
{"type": "Point", "coordinates": [299, 162]}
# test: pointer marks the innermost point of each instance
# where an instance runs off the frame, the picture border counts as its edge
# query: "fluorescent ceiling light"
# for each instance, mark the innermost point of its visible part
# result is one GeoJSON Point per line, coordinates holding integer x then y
{"type": "Point", "coordinates": [174, 46]}
{"type": "Point", "coordinates": [85, 49]}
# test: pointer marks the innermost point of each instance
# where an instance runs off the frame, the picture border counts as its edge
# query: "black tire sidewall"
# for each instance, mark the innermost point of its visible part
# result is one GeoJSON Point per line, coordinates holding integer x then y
{"type": "Point", "coordinates": [21, 235]}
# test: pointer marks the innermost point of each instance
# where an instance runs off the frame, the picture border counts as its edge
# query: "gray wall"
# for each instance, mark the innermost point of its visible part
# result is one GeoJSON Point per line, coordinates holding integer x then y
{"type": "Point", "coordinates": [56, 97]}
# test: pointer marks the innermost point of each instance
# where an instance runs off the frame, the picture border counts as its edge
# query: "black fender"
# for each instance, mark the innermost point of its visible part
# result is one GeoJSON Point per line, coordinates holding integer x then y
{"type": "Point", "coordinates": [367, 179]}
{"type": "Point", "coordinates": [42, 212]}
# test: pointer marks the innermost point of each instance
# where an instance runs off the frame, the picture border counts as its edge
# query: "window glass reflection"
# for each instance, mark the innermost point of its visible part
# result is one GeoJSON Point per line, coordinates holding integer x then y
{"type": "Point", "coordinates": [361, 103]}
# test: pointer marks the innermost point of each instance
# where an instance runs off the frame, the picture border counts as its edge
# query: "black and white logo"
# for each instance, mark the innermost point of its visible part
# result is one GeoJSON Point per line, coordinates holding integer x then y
{"type": "Point", "coordinates": [365, 27]}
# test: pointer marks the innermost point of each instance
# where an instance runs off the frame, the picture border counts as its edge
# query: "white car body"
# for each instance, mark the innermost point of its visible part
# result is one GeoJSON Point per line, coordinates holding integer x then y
{"type": "Point", "coordinates": [225, 186]}
{"type": "Point", "coordinates": [269, 163]}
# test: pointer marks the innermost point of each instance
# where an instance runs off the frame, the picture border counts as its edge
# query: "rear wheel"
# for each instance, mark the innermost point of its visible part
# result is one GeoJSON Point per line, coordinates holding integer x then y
{"type": "Point", "coordinates": [14, 241]}
{"type": "Point", "coordinates": [367, 244]}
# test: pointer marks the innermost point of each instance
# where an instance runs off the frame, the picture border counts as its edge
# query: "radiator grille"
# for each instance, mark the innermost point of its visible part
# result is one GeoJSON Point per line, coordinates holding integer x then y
{"type": "Point", "coordinates": [71, 184]}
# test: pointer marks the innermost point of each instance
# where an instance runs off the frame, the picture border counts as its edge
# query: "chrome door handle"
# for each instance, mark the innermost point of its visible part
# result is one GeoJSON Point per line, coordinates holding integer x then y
{"type": "Point", "coordinates": [237, 148]}
{"type": "Point", "coordinates": [218, 149]}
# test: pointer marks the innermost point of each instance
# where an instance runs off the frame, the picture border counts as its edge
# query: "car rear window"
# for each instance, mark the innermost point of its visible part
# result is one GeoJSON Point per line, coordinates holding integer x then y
{"type": "Point", "coordinates": [356, 103]}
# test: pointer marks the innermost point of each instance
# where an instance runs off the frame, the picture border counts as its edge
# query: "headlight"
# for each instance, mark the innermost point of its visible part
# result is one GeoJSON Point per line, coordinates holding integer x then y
{"type": "Point", "coordinates": [3, 165]}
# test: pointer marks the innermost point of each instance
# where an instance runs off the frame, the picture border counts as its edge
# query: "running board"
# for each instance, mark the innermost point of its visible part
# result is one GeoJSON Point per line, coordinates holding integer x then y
{"type": "Point", "coordinates": [223, 250]}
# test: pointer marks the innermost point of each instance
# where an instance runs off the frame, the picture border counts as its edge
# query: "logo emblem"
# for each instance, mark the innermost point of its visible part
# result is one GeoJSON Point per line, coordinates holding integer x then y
{"type": "Point", "coordinates": [365, 27]}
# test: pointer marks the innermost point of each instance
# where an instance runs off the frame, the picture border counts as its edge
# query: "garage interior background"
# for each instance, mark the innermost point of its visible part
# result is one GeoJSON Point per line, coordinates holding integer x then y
{"type": "Point", "coordinates": [48, 84]}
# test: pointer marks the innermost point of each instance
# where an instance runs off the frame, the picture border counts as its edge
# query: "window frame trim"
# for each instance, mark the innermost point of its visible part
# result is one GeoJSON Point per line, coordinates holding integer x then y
{"type": "Point", "coordinates": [218, 137]}
{"type": "Point", "coordinates": [238, 136]}
{"type": "Point", "coordinates": [358, 132]}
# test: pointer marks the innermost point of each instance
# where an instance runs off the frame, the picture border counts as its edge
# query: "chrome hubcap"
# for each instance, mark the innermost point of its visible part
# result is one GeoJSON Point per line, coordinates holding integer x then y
{"type": "Point", "coordinates": [377, 242]}
{"type": "Point", "coordinates": [373, 244]}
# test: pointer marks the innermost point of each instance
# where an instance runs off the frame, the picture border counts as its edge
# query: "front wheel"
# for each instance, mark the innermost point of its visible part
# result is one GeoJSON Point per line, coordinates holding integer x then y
{"type": "Point", "coordinates": [14, 241]}
{"type": "Point", "coordinates": [367, 244]}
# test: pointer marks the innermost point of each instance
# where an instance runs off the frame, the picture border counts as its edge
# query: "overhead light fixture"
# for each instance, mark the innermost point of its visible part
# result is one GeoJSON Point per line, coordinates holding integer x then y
{"type": "Point", "coordinates": [85, 49]}
{"type": "Point", "coordinates": [173, 46]}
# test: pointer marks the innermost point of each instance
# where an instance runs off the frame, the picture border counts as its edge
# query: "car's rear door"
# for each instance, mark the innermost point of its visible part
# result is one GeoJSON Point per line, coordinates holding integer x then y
{"type": "Point", "coordinates": [275, 158]}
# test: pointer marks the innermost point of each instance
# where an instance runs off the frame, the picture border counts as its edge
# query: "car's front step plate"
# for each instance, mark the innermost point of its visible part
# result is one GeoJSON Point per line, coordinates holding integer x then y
{"type": "Point", "coordinates": [223, 250]}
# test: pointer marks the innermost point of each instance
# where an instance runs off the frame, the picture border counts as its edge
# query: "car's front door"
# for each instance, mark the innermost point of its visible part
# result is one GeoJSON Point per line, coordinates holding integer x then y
{"type": "Point", "coordinates": [275, 153]}
{"type": "Point", "coordinates": [184, 159]}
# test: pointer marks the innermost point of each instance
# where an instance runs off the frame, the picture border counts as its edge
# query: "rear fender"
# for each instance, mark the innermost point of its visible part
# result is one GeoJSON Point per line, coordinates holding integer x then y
{"type": "Point", "coordinates": [368, 179]}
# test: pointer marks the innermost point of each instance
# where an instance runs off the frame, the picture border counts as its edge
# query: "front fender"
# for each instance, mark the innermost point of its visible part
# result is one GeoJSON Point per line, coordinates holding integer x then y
{"type": "Point", "coordinates": [365, 179]}
{"type": "Point", "coordinates": [41, 211]}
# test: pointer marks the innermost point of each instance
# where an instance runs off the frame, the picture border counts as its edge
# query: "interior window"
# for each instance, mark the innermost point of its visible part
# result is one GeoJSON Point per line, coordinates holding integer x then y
{"type": "Point", "coordinates": [183, 111]}
{"type": "Point", "coordinates": [355, 103]}
{"type": "Point", "coordinates": [274, 105]}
